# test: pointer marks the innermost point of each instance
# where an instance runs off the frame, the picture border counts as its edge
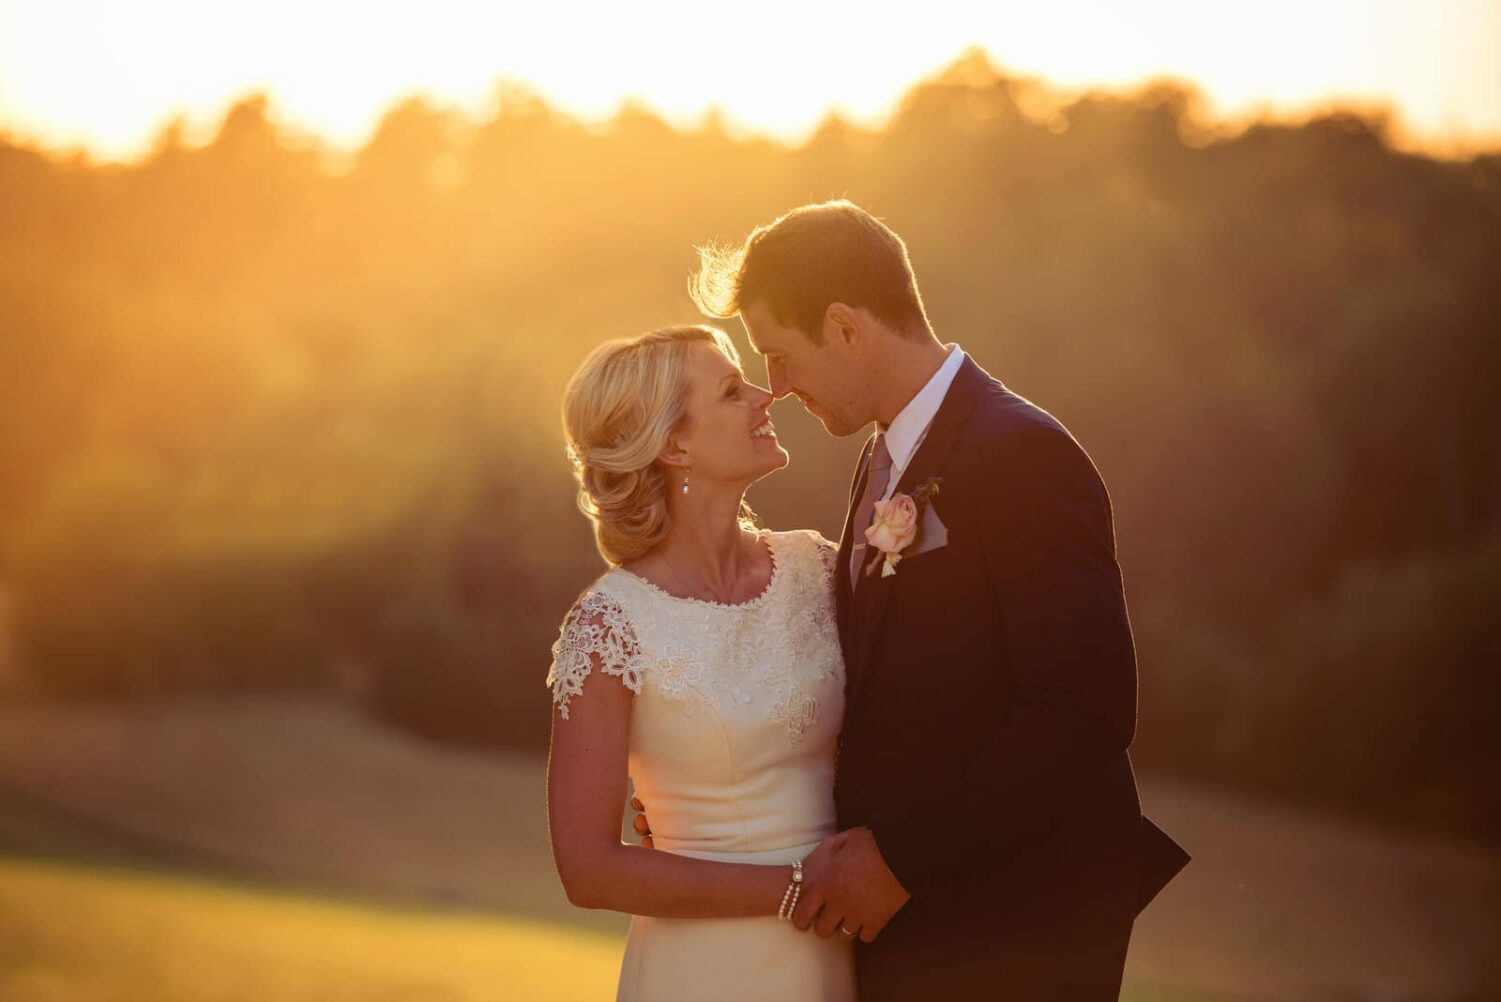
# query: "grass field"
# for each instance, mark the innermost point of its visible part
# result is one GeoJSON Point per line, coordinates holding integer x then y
{"type": "Point", "coordinates": [286, 849]}
{"type": "Point", "coordinates": [71, 933]}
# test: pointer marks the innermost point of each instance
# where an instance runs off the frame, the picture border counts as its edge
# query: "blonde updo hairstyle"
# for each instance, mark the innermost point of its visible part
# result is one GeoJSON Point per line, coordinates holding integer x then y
{"type": "Point", "coordinates": [620, 408]}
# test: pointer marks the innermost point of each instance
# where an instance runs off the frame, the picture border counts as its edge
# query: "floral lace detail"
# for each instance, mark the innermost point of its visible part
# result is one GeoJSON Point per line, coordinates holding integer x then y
{"type": "Point", "coordinates": [829, 551]}
{"type": "Point", "coordinates": [809, 626]}
{"type": "Point", "coordinates": [682, 676]}
{"type": "Point", "coordinates": [595, 631]}
{"type": "Point", "coordinates": [779, 650]}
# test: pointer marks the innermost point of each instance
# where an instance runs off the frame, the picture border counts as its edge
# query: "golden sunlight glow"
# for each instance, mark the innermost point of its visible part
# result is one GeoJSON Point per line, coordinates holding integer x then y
{"type": "Point", "coordinates": [107, 76]}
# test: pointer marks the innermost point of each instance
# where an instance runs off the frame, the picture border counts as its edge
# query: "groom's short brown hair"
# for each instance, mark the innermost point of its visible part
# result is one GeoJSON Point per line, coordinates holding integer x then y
{"type": "Point", "coordinates": [827, 252]}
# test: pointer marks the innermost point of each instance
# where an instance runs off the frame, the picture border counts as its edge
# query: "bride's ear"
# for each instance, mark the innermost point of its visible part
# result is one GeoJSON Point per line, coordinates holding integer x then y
{"type": "Point", "coordinates": [674, 454]}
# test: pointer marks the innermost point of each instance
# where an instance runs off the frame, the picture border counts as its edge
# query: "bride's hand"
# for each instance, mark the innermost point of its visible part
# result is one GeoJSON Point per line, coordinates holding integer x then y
{"type": "Point", "coordinates": [640, 824]}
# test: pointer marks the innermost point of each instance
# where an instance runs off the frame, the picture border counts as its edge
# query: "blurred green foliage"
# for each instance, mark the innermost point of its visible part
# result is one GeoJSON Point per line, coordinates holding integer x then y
{"type": "Point", "coordinates": [269, 423]}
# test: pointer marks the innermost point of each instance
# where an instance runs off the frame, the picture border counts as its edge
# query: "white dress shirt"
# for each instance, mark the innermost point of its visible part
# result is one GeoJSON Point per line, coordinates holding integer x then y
{"type": "Point", "coordinates": [908, 429]}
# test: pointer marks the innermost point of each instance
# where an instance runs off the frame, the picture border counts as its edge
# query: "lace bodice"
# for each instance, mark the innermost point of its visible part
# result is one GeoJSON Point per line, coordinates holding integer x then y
{"type": "Point", "coordinates": [737, 706]}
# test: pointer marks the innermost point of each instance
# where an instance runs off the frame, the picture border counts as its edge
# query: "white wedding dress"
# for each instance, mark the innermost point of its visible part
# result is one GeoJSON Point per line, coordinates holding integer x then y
{"type": "Point", "coordinates": [736, 712]}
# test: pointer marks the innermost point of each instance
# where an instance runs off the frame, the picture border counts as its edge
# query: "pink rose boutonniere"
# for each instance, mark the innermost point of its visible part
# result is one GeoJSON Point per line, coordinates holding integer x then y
{"type": "Point", "coordinates": [897, 524]}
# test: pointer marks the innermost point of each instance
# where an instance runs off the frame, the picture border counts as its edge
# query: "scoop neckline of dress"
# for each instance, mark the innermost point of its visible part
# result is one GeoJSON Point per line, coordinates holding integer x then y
{"type": "Point", "coordinates": [776, 571]}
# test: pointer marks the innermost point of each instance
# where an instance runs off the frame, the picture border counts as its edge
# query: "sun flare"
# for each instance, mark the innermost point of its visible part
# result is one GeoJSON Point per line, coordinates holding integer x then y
{"type": "Point", "coordinates": [107, 77]}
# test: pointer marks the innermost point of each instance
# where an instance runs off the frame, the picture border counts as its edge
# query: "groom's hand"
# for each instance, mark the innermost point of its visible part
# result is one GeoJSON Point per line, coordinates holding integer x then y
{"type": "Point", "coordinates": [641, 826]}
{"type": "Point", "coordinates": [848, 883]}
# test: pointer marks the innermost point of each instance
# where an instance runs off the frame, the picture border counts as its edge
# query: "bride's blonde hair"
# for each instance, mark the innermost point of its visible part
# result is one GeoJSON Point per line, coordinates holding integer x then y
{"type": "Point", "coordinates": [627, 397]}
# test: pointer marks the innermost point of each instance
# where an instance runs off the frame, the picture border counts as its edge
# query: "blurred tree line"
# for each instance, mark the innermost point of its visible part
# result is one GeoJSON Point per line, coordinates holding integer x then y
{"type": "Point", "coordinates": [272, 424]}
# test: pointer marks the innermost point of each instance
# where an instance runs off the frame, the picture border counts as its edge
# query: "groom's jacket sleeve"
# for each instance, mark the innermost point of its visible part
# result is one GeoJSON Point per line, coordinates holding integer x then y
{"type": "Point", "coordinates": [1048, 544]}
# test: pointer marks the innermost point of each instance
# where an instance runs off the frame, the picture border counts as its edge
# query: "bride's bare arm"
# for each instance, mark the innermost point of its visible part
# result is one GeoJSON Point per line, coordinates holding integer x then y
{"type": "Point", "coordinates": [586, 781]}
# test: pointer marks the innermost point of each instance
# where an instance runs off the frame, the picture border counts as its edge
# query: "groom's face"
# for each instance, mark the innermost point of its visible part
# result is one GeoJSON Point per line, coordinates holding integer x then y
{"type": "Point", "coordinates": [825, 378]}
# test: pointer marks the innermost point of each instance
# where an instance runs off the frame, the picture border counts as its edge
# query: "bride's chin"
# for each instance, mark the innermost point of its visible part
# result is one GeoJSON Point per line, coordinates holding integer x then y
{"type": "Point", "coordinates": [773, 464]}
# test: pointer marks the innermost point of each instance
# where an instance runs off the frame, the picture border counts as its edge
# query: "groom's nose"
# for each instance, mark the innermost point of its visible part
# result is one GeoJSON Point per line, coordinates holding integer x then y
{"type": "Point", "coordinates": [776, 379]}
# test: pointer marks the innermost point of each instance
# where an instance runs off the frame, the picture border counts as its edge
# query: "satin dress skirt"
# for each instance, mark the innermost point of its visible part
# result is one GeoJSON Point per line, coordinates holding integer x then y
{"type": "Point", "coordinates": [759, 959]}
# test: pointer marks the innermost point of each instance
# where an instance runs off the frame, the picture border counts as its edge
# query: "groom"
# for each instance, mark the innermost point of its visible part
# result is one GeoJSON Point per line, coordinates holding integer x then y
{"type": "Point", "coordinates": [991, 841]}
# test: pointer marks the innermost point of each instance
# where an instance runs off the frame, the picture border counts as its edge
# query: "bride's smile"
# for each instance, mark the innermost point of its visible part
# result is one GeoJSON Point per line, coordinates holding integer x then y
{"type": "Point", "coordinates": [726, 440]}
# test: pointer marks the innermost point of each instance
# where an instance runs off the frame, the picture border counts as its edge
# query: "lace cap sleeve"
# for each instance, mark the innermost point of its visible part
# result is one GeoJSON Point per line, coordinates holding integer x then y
{"type": "Point", "coordinates": [595, 633]}
{"type": "Point", "coordinates": [828, 551]}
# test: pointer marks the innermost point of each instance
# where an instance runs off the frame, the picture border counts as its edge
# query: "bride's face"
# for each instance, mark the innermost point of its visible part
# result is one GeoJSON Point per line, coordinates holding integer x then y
{"type": "Point", "coordinates": [727, 436]}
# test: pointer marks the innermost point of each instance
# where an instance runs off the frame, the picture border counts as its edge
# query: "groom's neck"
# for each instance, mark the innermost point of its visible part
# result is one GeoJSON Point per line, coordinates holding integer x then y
{"type": "Point", "coordinates": [905, 368]}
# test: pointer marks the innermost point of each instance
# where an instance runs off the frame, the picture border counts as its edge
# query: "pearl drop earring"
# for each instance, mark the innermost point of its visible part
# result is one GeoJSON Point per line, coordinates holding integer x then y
{"type": "Point", "coordinates": [685, 483]}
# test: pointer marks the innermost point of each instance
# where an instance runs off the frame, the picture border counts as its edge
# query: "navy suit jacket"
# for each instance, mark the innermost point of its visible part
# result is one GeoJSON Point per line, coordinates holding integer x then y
{"type": "Point", "coordinates": [990, 701]}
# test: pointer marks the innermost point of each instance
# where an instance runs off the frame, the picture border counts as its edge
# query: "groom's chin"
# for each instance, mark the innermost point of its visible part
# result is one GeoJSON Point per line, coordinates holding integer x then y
{"type": "Point", "coordinates": [832, 424]}
{"type": "Point", "coordinates": [840, 429]}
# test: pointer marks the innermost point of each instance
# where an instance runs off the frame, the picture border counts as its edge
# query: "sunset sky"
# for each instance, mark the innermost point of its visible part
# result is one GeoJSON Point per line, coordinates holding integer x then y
{"type": "Point", "coordinates": [105, 76]}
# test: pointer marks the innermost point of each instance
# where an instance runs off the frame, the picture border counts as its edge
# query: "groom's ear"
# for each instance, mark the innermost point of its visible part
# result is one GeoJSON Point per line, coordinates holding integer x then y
{"type": "Point", "coordinates": [842, 324]}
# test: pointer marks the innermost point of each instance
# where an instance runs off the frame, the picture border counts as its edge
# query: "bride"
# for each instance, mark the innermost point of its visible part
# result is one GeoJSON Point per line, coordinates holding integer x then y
{"type": "Point", "coordinates": [705, 665]}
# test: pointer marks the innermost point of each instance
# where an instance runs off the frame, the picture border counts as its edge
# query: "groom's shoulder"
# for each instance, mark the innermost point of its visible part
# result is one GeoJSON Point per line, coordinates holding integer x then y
{"type": "Point", "coordinates": [1007, 434]}
{"type": "Point", "coordinates": [1001, 417]}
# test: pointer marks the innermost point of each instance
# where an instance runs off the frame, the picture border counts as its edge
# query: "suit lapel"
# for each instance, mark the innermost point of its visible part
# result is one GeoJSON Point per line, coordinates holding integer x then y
{"type": "Point", "coordinates": [871, 596]}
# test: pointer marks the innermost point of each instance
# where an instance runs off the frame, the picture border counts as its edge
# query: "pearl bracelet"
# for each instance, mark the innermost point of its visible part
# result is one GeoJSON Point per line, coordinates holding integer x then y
{"type": "Point", "coordinates": [793, 892]}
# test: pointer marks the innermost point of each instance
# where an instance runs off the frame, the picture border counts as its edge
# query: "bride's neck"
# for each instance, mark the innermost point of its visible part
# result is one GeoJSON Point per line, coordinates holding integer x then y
{"type": "Point", "coordinates": [705, 540]}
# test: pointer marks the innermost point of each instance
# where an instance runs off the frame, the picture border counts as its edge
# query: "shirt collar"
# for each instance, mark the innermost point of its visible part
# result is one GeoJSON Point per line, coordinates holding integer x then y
{"type": "Point", "coordinates": [906, 429]}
